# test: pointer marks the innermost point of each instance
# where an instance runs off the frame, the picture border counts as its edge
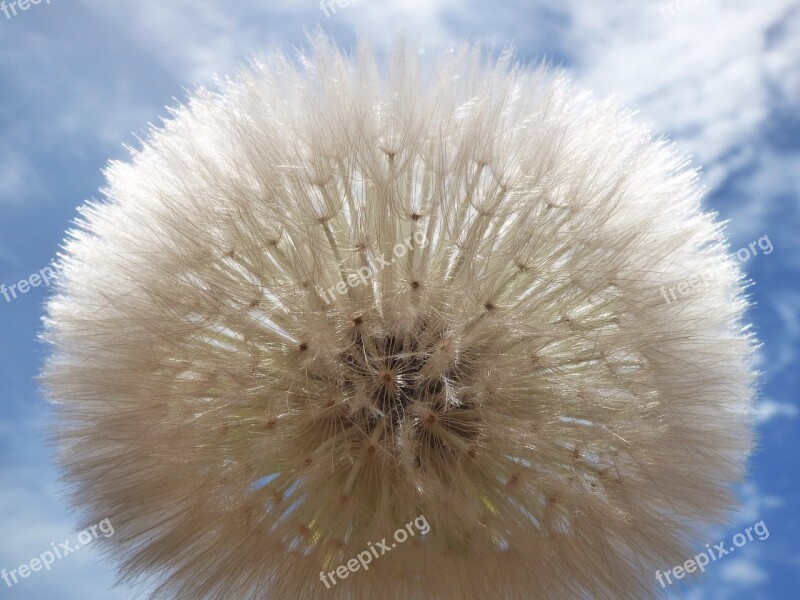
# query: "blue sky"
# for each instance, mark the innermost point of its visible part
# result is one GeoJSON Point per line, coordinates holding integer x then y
{"type": "Point", "coordinates": [81, 78]}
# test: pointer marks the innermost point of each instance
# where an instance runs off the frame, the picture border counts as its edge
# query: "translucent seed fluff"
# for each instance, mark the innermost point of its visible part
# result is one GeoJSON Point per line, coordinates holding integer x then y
{"type": "Point", "coordinates": [336, 293]}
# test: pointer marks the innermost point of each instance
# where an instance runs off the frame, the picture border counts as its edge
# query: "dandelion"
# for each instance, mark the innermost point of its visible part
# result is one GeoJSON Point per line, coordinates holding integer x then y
{"type": "Point", "coordinates": [508, 368]}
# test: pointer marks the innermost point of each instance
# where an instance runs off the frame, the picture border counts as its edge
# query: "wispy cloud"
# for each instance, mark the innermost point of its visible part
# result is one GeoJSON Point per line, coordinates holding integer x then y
{"type": "Point", "coordinates": [743, 571]}
{"type": "Point", "coordinates": [704, 76]}
{"type": "Point", "coordinates": [18, 178]}
{"type": "Point", "coordinates": [767, 410]}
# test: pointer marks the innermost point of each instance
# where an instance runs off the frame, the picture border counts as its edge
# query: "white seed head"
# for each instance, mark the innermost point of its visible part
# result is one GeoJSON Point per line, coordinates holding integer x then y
{"type": "Point", "coordinates": [323, 300]}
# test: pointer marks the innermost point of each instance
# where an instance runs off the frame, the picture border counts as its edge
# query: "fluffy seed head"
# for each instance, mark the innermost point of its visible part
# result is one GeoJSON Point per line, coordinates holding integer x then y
{"type": "Point", "coordinates": [323, 300]}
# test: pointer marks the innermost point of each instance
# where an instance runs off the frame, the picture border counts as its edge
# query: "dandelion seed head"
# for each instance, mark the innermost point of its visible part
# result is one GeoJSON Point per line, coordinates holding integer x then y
{"type": "Point", "coordinates": [324, 299]}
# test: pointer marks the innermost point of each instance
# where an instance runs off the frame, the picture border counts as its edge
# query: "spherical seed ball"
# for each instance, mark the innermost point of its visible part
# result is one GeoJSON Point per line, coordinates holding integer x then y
{"type": "Point", "coordinates": [329, 302]}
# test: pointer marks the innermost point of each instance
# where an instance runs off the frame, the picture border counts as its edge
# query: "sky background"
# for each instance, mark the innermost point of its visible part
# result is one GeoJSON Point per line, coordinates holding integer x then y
{"type": "Point", "coordinates": [79, 79]}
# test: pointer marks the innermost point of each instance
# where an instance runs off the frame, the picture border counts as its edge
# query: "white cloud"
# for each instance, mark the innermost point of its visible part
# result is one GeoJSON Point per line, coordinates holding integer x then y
{"type": "Point", "coordinates": [197, 39]}
{"type": "Point", "coordinates": [769, 409]}
{"type": "Point", "coordinates": [782, 350]}
{"type": "Point", "coordinates": [743, 572]}
{"type": "Point", "coordinates": [755, 506]}
{"type": "Point", "coordinates": [190, 39]}
{"type": "Point", "coordinates": [702, 76]}
{"type": "Point", "coordinates": [775, 178]}
{"type": "Point", "coordinates": [18, 178]}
